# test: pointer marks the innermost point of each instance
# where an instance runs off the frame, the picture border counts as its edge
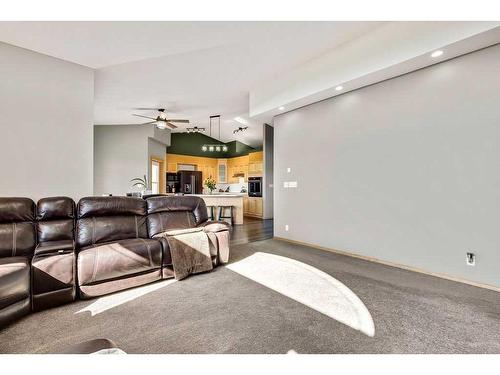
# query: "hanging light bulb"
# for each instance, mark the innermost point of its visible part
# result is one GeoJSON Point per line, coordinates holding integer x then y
{"type": "Point", "coordinates": [224, 148]}
{"type": "Point", "coordinates": [204, 148]}
{"type": "Point", "coordinates": [211, 148]}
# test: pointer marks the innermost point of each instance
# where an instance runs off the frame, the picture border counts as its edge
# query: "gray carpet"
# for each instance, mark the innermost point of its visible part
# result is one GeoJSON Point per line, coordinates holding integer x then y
{"type": "Point", "coordinates": [224, 312]}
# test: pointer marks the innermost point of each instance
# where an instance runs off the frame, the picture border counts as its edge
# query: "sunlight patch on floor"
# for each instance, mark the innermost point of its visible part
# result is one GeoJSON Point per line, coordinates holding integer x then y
{"type": "Point", "coordinates": [309, 286]}
{"type": "Point", "coordinates": [108, 302]}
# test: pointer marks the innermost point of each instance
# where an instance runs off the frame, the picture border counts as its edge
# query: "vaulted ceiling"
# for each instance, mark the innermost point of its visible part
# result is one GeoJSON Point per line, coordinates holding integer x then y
{"type": "Point", "coordinates": [194, 69]}
{"type": "Point", "coordinates": [237, 69]}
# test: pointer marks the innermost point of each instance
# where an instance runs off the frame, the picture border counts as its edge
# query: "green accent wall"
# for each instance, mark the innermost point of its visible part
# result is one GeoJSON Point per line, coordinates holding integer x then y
{"type": "Point", "coordinates": [190, 144]}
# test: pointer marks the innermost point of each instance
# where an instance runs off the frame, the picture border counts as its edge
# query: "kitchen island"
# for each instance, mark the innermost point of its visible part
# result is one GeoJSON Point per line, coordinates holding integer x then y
{"type": "Point", "coordinates": [225, 199]}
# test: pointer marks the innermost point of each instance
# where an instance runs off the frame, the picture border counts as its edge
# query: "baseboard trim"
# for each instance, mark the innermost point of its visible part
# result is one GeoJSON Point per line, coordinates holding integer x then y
{"type": "Point", "coordinates": [391, 264]}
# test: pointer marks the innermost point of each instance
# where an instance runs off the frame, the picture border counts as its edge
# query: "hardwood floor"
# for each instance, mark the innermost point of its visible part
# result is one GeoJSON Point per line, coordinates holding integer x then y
{"type": "Point", "coordinates": [251, 230]}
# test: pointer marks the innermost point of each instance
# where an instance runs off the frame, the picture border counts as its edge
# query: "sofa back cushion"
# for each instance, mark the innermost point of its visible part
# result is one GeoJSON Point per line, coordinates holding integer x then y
{"type": "Point", "coordinates": [55, 219]}
{"type": "Point", "coordinates": [174, 212]}
{"type": "Point", "coordinates": [106, 219]}
{"type": "Point", "coordinates": [17, 227]}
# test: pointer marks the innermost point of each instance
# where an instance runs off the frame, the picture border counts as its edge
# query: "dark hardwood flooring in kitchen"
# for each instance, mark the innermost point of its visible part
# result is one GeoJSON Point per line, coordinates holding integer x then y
{"type": "Point", "coordinates": [251, 230]}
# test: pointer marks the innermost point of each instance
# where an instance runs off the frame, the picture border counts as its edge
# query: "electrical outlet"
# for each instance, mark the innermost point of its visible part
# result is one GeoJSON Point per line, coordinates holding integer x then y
{"type": "Point", "coordinates": [471, 259]}
{"type": "Point", "coordinates": [286, 228]}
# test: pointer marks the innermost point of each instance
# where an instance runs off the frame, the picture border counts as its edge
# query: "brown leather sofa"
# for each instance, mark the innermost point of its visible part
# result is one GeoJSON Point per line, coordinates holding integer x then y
{"type": "Point", "coordinates": [183, 212]}
{"type": "Point", "coordinates": [53, 268]}
{"type": "Point", "coordinates": [17, 243]}
{"type": "Point", "coordinates": [52, 252]}
{"type": "Point", "coordinates": [114, 250]}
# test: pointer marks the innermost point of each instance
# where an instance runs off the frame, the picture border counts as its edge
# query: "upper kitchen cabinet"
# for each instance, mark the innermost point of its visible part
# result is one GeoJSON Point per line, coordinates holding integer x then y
{"type": "Point", "coordinates": [255, 164]}
{"type": "Point", "coordinates": [207, 166]}
{"type": "Point", "coordinates": [237, 167]}
{"type": "Point", "coordinates": [222, 169]}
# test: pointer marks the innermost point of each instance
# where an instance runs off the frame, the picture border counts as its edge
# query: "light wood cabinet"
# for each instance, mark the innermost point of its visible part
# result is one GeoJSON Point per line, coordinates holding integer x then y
{"type": "Point", "coordinates": [252, 206]}
{"type": "Point", "coordinates": [171, 167]}
{"type": "Point", "coordinates": [207, 166]}
{"type": "Point", "coordinates": [255, 164]}
{"type": "Point", "coordinates": [237, 165]}
{"type": "Point", "coordinates": [222, 171]}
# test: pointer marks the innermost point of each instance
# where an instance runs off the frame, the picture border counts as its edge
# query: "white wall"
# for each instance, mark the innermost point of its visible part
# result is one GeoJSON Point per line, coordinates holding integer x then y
{"type": "Point", "coordinates": [46, 120]}
{"type": "Point", "coordinates": [122, 152]}
{"type": "Point", "coordinates": [406, 171]}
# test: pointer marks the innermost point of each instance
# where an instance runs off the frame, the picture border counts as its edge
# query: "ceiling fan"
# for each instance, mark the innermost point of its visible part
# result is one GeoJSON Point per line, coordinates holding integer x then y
{"type": "Point", "coordinates": [161, 120]}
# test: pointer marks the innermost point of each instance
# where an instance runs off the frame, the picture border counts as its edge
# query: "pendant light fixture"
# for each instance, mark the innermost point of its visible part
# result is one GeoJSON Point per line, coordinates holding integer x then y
{"type": "Point", "coordinates": [216, 147]}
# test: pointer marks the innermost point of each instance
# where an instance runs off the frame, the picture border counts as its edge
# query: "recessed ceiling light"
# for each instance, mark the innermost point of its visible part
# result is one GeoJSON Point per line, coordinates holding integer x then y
{"type": "Point", "coordinates": [338, 88]}
{"type": "Point", "coordinates": [241, 120]}
{"type": "Point", "coordinates": [281, 108]}
{"type": "Point", "coordinates": [437, 53]}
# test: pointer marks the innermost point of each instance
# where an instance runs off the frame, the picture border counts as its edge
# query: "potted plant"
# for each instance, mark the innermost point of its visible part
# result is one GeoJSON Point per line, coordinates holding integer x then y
{"type": "Point", "coordinates": [141, 183]}
{"type": "Point", "coordinates": [210, 184]}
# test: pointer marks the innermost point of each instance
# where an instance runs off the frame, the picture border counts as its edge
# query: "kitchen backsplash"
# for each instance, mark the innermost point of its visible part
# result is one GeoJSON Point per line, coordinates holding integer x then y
{"type": "Point", "coordinates": [233, 188]}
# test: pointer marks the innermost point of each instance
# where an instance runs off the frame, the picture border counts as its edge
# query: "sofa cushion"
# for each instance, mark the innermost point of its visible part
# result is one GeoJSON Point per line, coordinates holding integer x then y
{"type": "Point", "coordinates": [17, 229]}
{"type": "Point", "coordinates": [16, 210]}
{"type": "Point", "coordinates": [108, 219]}
{"type": "Point", "coordinates": [110, 206]}
{"type": "Point", "coordinates": [14, 280]}
{"type": "Point", "coordinates": [17, 239]}
{"type": "Point", "coordinates": [104, 229]}
{"type": "Point", "coordinates": [118, 259]}
{"type": "Point", "coordinates": [195, 205]}
{"type": "Point", "coordinates": [55, 230]}
{"type": "Point", "coordinates": [55, 208]}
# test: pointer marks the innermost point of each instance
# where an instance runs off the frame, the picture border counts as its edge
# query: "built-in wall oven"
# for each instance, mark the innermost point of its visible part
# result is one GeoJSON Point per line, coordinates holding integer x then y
{"type": "Point", "coordinates": [255, 186]}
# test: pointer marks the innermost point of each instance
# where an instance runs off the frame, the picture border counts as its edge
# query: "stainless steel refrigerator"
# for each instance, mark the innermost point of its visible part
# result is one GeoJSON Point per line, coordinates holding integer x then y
{"type": "Point", "coordinates": [190, 182]}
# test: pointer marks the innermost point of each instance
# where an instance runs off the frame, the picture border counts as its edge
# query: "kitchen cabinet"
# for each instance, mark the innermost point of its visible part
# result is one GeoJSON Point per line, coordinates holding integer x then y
{"type": "Point", "coordinates": [253, 206]}
{"type": "Point", "coordinates": [207, 166]}
{"type": "Point", "coordinates": [222, 170]}
{"type": "Point", "coordinates": [255, 164]}
{"type": "Point", "coordinates": [172, 167]}
{"type": "Point", "coordinates": [237, 165]}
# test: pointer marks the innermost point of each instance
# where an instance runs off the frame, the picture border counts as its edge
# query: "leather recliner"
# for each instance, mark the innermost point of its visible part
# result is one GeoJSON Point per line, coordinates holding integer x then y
{"type": "Point", "coordinates": [17, 243]}
{"type": "Point", "coordinates": [54, 265]}
{"type": "Point", "coordinates": [114, 251]}
{"type": "Point", "coordinates": [166, 213]}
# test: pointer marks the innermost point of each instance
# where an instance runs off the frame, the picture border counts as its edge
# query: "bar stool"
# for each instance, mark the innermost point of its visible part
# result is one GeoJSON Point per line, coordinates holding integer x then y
{"type": "Point", "coordinates": [221, 213]}
{"type": "Point", "coordinates": [210, 210]}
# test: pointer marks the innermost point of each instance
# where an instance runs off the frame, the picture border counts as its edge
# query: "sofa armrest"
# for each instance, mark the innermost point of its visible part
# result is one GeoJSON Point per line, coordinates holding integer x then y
{"type": "Point", "coordinates": [214, 226]}
{"type": "Point", "coordinates": [54, 247]}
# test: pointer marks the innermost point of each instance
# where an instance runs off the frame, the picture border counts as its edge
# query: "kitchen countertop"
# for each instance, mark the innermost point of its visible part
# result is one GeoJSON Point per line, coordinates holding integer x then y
{"type": "Point", "coordinates": [225, 195]}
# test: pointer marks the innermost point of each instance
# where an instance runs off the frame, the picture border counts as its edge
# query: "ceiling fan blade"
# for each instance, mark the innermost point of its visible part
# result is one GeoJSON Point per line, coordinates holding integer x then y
{"type": "Point", "coordinates": [171, 125]}
{"type": "Point", "coordinates": [151, 122]}
{"type": "Point", "coordinates": [177, 120]}
{"type": "Point", "coordinates": [151, 118]}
